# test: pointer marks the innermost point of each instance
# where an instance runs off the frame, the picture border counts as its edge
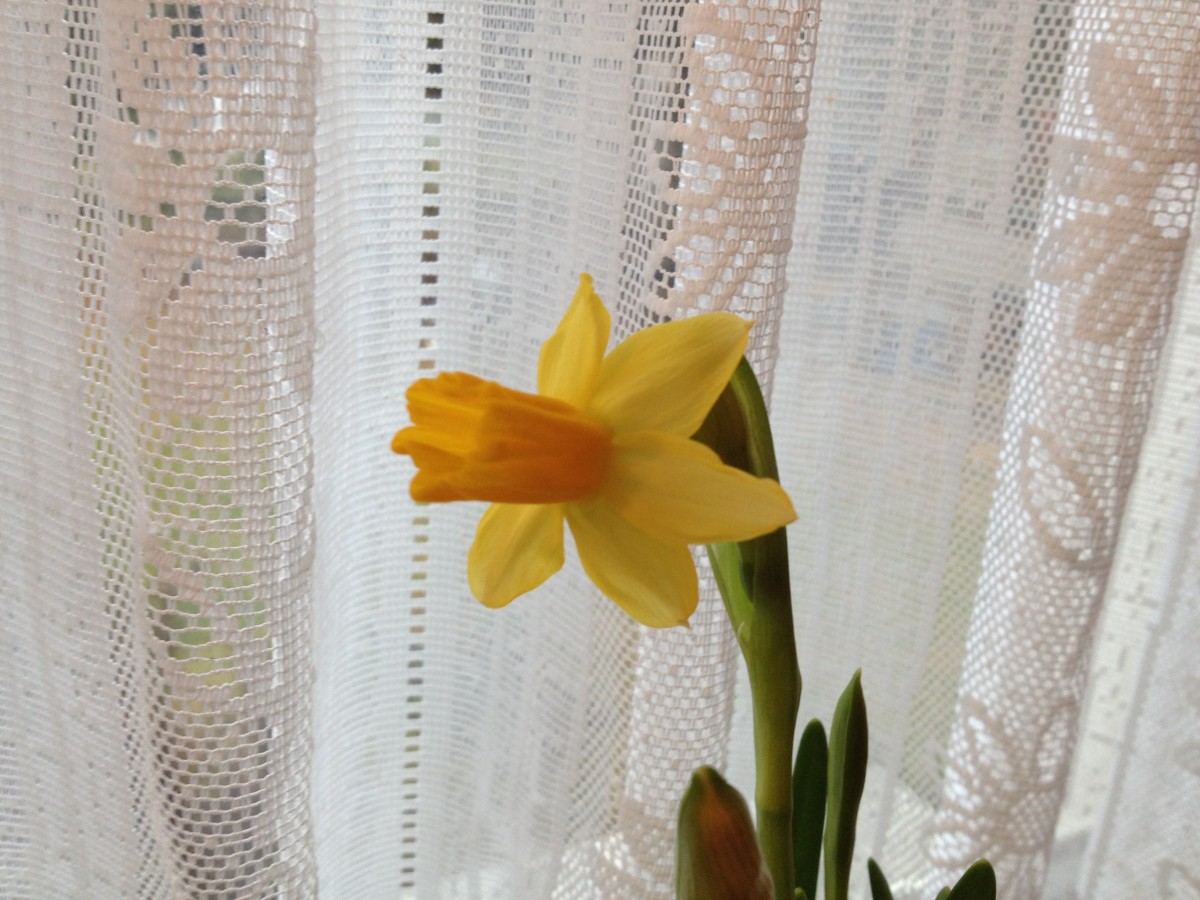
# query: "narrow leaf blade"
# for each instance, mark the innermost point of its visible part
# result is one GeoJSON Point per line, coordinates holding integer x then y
{"type": "Point", "coordinates": [847, 774]}
{"type": "Point", "coordinates": [810, 780]}
{"type": "Point", "coordinates": [879, 886]}
{"type": "Point", "coordinates": [977, 883]}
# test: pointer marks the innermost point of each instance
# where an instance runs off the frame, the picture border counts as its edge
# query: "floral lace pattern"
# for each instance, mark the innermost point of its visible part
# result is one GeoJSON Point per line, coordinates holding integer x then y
{"type": "Point", "coordinates": [1109, 262]}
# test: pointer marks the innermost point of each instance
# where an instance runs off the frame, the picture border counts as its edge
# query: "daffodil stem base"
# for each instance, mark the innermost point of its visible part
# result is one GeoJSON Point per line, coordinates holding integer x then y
{"type": "Point", "coordinates": [774, 729]}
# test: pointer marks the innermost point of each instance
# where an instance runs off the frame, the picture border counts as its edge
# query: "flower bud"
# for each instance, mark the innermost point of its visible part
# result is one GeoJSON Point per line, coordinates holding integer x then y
{"type": "Point", "coordinates": [717, 857]}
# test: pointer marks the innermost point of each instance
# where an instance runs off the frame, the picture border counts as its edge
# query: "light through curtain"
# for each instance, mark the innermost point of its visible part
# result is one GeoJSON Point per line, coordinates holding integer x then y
{"type": "Point", "coordinates": [238, 661]}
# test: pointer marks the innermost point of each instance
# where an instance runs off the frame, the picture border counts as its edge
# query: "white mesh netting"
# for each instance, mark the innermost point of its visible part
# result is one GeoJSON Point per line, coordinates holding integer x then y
{"type": "Point", "coordinates": [529, 753]}
{"type": "Point", "coordinates": [158, 376]}
{"type": "Point", "coordinates": [237, 660]}
{"type": "Point", "coordinates": [1133, 785]}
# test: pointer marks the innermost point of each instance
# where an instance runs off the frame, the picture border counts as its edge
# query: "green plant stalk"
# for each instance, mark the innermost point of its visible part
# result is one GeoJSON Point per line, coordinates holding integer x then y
{"type": "Point", "coordinates": [770, 656]}
{"type": "Point", "coordinates": [758, 569]}
{"type": "Point", "coordinates": [754, 582]}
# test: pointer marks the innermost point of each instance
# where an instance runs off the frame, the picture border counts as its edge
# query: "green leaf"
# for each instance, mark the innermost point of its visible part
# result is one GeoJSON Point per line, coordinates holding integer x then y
{"type": "Point", "coordinates": [943, 894]}
{"type": "Point", "coordinates": [847, 774]}
{"type": "Point", "coordinates": [977, 883]}
{"type": "Point", "coordinates": [810, 779]}
{"type": "Point", "coordinates": [879, 885]}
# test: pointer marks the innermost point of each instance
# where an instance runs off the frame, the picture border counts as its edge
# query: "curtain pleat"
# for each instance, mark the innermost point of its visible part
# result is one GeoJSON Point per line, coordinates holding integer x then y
{"type": "Point", "coordinates": [160, 668]}
{"type": "Point", "coordinates": [1106, 270]}
{"type": "Point", "coordinates": [1131, 791]}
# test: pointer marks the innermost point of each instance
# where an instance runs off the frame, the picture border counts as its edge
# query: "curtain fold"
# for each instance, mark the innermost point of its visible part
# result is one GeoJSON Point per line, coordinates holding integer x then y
{"type": "Point", "coordinates": [237, 659]}
{"type": "Point", "coordinates": [1139, 732]}
{"type": "Point", "coordinates": [157, 736]}
{"type": "Point", "coordinates": [1106, 270]}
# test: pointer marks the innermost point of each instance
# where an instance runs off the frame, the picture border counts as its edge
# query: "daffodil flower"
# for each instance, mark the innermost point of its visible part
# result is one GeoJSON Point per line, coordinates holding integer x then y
{"type": "Point", "coordinates": [605, 444]}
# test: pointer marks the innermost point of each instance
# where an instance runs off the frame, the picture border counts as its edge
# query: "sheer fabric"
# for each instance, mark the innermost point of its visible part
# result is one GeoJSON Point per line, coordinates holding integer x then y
{"type": "Point", "coordinates": [238, 661]}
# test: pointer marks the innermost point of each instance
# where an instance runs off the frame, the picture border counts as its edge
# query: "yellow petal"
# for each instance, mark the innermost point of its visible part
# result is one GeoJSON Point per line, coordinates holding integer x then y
{"type": "Point", "coordinates": [516, 548]}
{"type": "Point", "coordinates": [679, 490]}
{"type": "Point", "coordinates": [667, 377]}
{"type": "Point", "coordinates": [653, 581]}
{"type": "Point", "coordinates": [570, 358]}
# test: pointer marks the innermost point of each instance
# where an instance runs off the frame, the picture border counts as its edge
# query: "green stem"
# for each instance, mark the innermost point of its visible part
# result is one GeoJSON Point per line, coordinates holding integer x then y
{"type": "Point", "coordinates": [770, 653]}
{"type": "Point", "coordinates": [754, 582]}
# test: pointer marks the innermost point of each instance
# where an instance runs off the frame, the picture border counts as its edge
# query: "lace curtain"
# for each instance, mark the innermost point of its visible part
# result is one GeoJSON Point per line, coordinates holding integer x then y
{"type": "Point", "coordinates": [238, 661]}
